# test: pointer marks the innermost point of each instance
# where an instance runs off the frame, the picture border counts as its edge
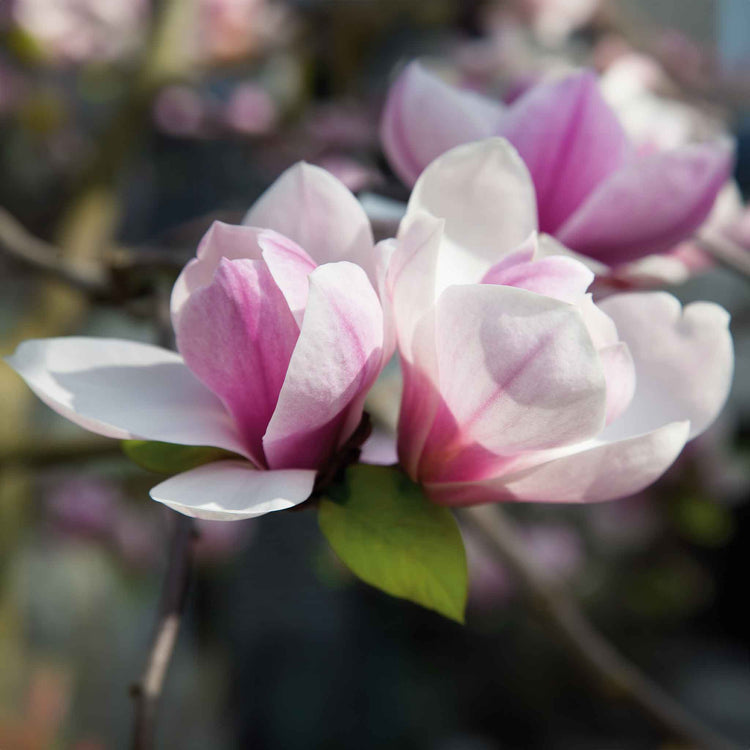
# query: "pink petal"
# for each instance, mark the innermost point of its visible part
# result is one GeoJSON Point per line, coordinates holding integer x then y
{"type": "Point", "coordinates": [220, 241]}
{"type": "Point", "coordinates": [650, 205]}
{"type": "Point", "coordinates": [587, 474]}
{"type": "Point", "coordinates": [517, 372]}
{"type": "Point", "coordinates": [548, 245]}
{"type": "Point", "coordinates": [125, 389]}
{"type": "Point", "coordinates": [683, 361]}
{"type": "Point", "coordinates": [420, 397]}
{"type": "Point", "coordinates": [237, 335]}
{"type": "Point", "coordinates": [290, 266]}
{"type": "Point", "coordinates": [233, 490]}
{"type": "Point", "coordinates": [337, 358]}
{"type": "Point", "coordinates": [485, 194]}
{"type": "Point", "coordinates": [555, 276]}
{"type": "Point", "coordinates": [424, 117]}
{"type": "Point", "coordinates": [569, 139]}
{"type": "Point", "coordinates": [310, 206]}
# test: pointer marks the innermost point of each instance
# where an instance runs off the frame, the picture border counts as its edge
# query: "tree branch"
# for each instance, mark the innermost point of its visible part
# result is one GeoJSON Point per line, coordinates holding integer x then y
{"type": "Point", "coordinates": [23, 247]}
{"type": "Point", "coordinates": [107, 280]}
{"type": "Point", "coordinates": [147, 692]}
{"type": "Point", "coordinates": [588, 646]}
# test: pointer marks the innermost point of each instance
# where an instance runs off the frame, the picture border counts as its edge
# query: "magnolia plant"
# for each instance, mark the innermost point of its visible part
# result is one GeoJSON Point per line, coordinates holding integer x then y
{"type": "Point", "coordinates": [517, 385]}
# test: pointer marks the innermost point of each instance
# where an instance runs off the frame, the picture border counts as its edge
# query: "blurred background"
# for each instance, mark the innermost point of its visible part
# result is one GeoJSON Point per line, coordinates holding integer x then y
{"type": "Point", "coordinates": [125, 129]}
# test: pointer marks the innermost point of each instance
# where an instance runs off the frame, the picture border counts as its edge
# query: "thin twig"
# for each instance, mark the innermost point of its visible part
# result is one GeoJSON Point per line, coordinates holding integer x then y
{"type": "Point", "coordinates": [23, 247]}
{"type": "Point", "coordinates": [108, 280]}
{"type": "Point", "coordinates": [147, 692]}
{"type": "Point", "coordinates": [586, 644]}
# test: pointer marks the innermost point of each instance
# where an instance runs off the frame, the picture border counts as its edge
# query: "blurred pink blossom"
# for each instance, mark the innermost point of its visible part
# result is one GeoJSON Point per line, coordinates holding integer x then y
{"type": "Point", "coordinates": [631, 522]}
{"type": "Point", "coordinates": [216, 540]}
{"type": "Point", "coordinates": [556, 548]}
{"type": "Point", "coordinates": [11, 88]}
{"type": "Point", "coordinates": [250, 110]}
{"type": "Point", "coordinates": [180, 111]}
{"type": "Point", "coordinates": [594, 193]}
{"type": "Point", "coordinates": [84, 505]}
{"type": "Point", "coordinates": [137, 538]}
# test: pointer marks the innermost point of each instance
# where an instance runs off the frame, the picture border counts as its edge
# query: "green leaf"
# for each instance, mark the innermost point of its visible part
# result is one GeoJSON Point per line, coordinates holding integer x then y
{"type": "Point", "coordinates": [168, 458]}
{"type": "Point", "coordinates": [388, 533]}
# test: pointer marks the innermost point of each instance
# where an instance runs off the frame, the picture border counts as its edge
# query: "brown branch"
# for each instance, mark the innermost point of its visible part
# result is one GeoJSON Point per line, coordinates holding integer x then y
{"type": "Point", "coordinates": [23, 247]}
{"type": "Point", "coordinates": [621, 678]}
{"type": "Point", "coordinates": [147, 692]}
{"type": "Point", "coordinates": [108, 280]}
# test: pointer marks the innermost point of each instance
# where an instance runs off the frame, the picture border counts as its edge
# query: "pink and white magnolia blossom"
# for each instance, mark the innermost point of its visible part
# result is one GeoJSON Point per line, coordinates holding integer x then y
{"type": "Point", "coordinates": [638, 89]}
{"type": "Point", "coordinates": [276, 354]}
{"type": "Point", "coordinates": [517, 386]}
{"type": "Point", "coordinates": [595, 193]}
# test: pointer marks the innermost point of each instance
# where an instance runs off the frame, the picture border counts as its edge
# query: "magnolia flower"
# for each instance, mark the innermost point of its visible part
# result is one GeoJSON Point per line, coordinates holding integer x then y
{"type": "Point", "coordinates": [595, 194]}
{"type": "Point", "coordinates": [276, 354]}
{"type": "Point", "coordinates": [516, 385]}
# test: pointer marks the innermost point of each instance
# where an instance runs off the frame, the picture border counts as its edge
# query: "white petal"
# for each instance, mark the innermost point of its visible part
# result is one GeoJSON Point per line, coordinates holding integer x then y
{"type": "Point", "coordinates": [310, 206]}
{"type": "Point", "coordinates": [125, 389]}
{"type": "Point", "coordinates": [485, 194]}
{"type": "Point", "coordinates": [590, 472]}
{"type": "Point", "coordinates": [411, 276]}
{"type": "Point", "coordinates": [683, 361]}
{"type": "Point", "coordinates": [517, 370]}
{"type": "Point", "coordinates": [234, 490]}
{"type": "Point", "coordinates": [424, 117]}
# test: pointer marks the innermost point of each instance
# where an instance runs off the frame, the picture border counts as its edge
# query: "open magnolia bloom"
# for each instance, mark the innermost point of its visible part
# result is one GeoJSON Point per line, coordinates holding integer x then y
{"type": "Point", "coordinates": [516, 385]}
{"type": "Point", "coordinates": [276, 354]}
{"type": "Point", "coordinates": [595, 193]}
{"type": "Point", "coordinates": [635, 86]}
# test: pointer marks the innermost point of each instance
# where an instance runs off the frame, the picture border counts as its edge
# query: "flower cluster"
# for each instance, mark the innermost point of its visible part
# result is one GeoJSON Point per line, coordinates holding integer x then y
{"type": "Point", "coordinates": [517, 383]}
